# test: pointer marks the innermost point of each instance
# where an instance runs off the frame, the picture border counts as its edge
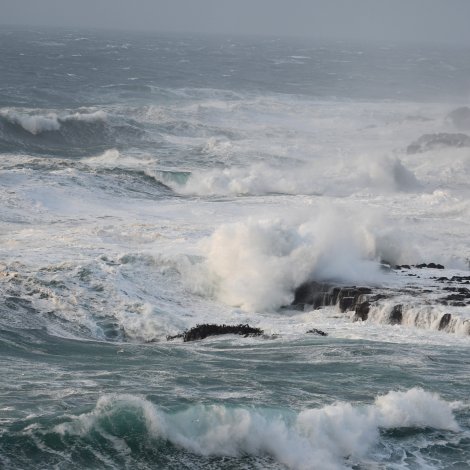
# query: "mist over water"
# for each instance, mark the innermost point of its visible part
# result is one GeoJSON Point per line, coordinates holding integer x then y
{"type": "Point", "coordinates": [150, 183]}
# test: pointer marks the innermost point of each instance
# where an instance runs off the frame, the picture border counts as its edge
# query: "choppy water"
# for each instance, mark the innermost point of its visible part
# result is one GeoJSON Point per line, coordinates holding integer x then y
{"type": "Point", "coordinates": [150, 183]}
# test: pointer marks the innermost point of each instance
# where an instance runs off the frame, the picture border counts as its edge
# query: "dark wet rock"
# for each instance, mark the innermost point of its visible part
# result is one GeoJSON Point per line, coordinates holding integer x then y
{"type": "Point", "coordinates": [205, 330]}
{"type": "Point", "coordinates": [396, 315]}
{"type": "Point", "coordinates": [445, 320]}
{"type": "Point", "coordinates": [358, 302]}
{"type": "Point", "coordinates": [316, 294]}
{"type": "Point", "coordinates": [441, 140]}
{"type": "Point", "coordinates": [172, 337]}
{"type": "Point", "coordinates": [349, 297]}
{"type": "Point", "coordinates": [460, 118]}
{"type": "Point", "coordinates": [364, 290]}
{"type": "Point", "coordinates": [403, 266]}
{"type": "Point", "coordinates": [461, 279]}
{"type": "Point", "coordinates": [362, 311]}
{"type": "Point", "coordinates": [455, 297]}
{"type": "Point", "coordinates": [314, 331]}
{"type": "Point", "coordinates": [347, 303]}
{"type": "Point", "coordinates": [460, 290]}
{"type": "Point", "coordinates": [435, 266]}
{"type": "Point", "coordinates": [429, 266]}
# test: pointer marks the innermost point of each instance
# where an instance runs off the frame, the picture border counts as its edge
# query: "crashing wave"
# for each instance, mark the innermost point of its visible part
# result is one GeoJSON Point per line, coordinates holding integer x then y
{"type": "Point", "coordinates": [334, 437]}
{"type": "Point", "coordinates": [37, 123]}
{"type": "Point", "coordinates": [376, 174]}
{"type": "Point", "coordinates": [48, 132]}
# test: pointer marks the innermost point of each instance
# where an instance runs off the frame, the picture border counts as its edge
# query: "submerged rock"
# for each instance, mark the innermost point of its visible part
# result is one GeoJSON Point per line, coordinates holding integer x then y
{"type": "Point", "coordinates": [314, 331]}
{"type": "Point", "coordinates": [432, 141]}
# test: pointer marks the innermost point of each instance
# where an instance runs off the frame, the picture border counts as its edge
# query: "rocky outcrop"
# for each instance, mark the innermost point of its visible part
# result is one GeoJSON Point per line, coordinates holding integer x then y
{"type": "Point", "coordinates": [434, 141]}
{"type": "Point", "coordinates": [362, 311]}
{"type": "Point", "coordinates": [420, 266]}
{"type": "Point", "coordinates": [361, 300]}
{"type": "Point", "coordinates": [445, 320]}
{"type": "Point", "coordinates": [320, 295]}
{"type": "Point", "coordinates": [396, 315]}
{"type": "Point", "coordinates": [316, 294]}
{"type": "Point", "coordinates": [206, 329]}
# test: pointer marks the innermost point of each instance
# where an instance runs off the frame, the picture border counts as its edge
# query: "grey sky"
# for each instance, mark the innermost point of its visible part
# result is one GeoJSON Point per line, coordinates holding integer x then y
{"type": "Point", "coordinates": [419, 20]}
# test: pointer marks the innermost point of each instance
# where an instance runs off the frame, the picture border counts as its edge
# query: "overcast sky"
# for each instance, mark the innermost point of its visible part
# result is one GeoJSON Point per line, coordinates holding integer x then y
{"type": "Point", "coordinates": [416, 20]}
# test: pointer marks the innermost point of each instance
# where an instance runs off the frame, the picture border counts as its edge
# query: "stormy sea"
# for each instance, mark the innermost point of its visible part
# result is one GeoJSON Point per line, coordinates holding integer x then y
{"type": "Point", "coordinates": [233, 253]}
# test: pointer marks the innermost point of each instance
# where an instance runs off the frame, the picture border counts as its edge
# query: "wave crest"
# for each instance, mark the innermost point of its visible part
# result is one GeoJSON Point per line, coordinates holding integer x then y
{"type": "Point", "coordinates": [324, 436]}
{"type": "Point", "coordinates": [37, 123]}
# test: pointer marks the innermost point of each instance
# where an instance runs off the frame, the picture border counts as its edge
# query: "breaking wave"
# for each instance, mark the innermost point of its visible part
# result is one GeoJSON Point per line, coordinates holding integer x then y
{"type": "Point", "coordinates": [36, 123]}
{"type": "Point", "coordinates": [50, 132]}
{"type": "Point", "coordinates": [376, 174]}
{"type": "Point", "coordinates": [334, 437]}
{"type": "Point", "coordinates": [256, 265]}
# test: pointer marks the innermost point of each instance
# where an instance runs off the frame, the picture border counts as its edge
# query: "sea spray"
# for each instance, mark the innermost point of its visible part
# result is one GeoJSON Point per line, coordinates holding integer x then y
{"type": "Point", "coordinates": [257, 264]}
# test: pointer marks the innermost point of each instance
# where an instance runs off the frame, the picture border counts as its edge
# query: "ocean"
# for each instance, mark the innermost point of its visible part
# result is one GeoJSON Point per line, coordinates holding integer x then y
{"type": "Point", "coordinates": [150, 183]}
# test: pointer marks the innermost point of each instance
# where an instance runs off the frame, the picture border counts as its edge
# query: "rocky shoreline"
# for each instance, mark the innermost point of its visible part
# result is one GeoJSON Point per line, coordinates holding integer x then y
{"type": "Point", "coordinates": [421, 290]}
{"type": "Point", "coordinates": [433, 290]}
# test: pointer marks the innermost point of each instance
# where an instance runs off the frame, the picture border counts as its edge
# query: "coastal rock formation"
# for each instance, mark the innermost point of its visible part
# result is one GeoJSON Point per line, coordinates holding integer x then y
{"type": "Point", "coordinates": [390, 304]}
{"type": "Point", "coordinates": [445, 320]}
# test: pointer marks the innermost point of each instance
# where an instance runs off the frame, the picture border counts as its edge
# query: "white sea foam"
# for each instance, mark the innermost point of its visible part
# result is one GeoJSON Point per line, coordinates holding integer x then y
{"type": "Point", "coordinates": [332, 437]}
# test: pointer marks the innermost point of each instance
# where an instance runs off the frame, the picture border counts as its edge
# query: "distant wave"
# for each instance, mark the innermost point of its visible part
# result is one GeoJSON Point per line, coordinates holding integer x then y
{"type": "Point", "coordinates": [144, 165]}
{"type": "Point", "coordinates": [79, 132]}
{"type": "Point", "coordinates": [36, 123]}
{"type": "Point", "coordinates": [378, 175]}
